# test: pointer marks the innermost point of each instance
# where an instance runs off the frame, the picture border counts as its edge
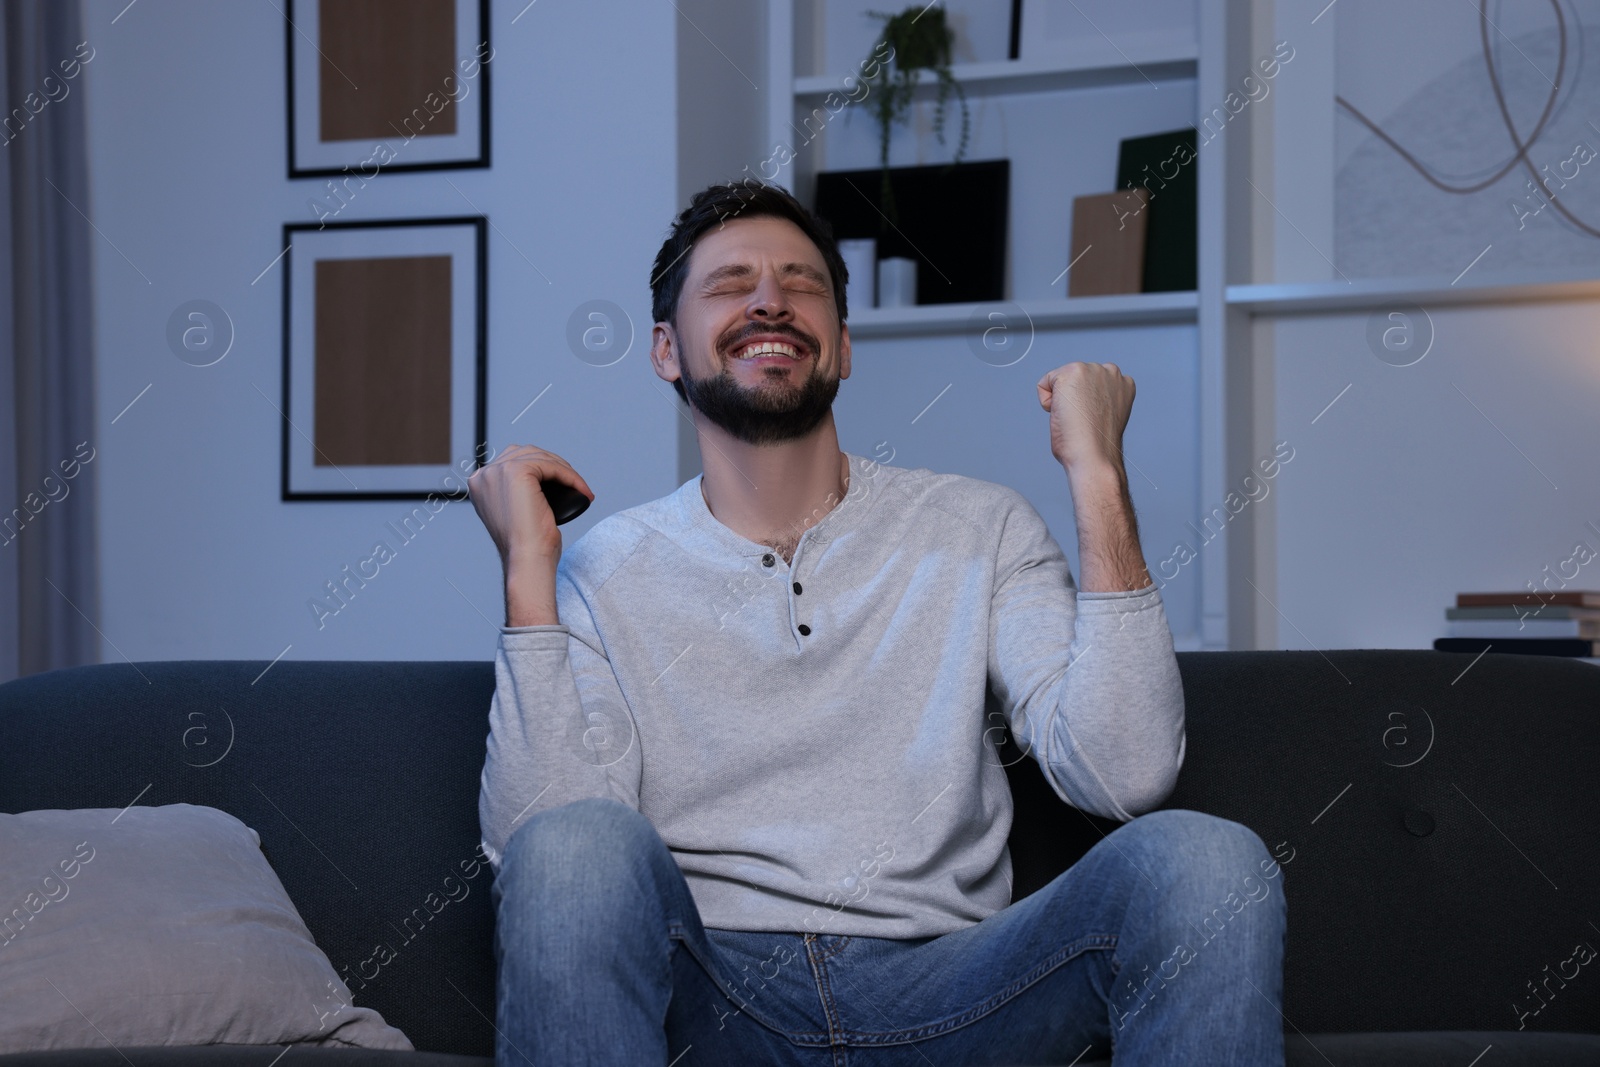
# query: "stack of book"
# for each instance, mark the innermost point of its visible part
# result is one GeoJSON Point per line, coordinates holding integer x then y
{"type": "Point", "coordinates": [1565, 623]}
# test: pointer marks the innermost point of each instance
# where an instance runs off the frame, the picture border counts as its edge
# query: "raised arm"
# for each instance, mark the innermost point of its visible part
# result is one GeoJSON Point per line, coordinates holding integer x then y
{"type": "Point", "coordinates": [1089, 406]}
{"type": "Point", "coordinates": [1088, 678]}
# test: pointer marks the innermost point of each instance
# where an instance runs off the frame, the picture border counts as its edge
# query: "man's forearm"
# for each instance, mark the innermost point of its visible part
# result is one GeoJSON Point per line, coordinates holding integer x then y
{"type": "Point", "coordinates": [1109, 557]}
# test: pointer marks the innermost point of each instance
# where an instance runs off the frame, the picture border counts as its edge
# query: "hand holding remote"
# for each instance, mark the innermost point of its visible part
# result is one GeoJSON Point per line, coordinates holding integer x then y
{"type": "Point", "coordinates": [522, 496]}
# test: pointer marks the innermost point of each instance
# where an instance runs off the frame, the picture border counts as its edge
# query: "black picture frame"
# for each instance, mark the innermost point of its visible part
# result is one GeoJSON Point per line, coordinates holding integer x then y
{"type": "Point", "coordinates": [480, 159]}
{"type": "Point", "coordinates": [478, 447]}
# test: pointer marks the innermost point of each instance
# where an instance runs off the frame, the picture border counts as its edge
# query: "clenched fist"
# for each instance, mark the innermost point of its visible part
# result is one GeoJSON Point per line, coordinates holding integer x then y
{"type": "Point", "coordinates": [1089, 405]}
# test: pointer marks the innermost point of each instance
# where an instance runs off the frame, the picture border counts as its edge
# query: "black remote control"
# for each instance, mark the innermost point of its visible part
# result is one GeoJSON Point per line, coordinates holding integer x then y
{"type": "Point", "coordinates": [565, 501]}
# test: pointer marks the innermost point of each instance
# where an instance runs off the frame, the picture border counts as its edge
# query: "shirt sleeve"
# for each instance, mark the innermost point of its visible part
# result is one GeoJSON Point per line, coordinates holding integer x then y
{"type": "Point", "coordinates": [1089, 682]}
{"type": "Point", "coordinates": [559, 727]}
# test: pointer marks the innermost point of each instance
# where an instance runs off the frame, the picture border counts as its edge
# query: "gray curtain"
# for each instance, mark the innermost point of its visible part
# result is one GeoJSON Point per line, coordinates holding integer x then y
{"type": "Point", "coordinates": [49, 570]}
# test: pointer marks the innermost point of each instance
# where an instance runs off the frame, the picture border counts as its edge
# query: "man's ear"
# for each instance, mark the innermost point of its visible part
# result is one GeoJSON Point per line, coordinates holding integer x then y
{"type": "Point", "coordinates": [664, 351]}
{"type": "Point", "coordinates": [844, 350]}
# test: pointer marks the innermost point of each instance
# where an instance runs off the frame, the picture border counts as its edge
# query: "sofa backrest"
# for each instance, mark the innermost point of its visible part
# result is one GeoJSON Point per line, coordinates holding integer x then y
{"type": "Point", "coordinates": [1438, 831]}
{"type": "Point", "coordinates": [1437, 835]}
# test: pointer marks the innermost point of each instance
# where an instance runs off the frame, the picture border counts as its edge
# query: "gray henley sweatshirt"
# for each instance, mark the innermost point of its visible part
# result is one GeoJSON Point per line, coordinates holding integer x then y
{"type": "Point", "coordinates": [809, 739]}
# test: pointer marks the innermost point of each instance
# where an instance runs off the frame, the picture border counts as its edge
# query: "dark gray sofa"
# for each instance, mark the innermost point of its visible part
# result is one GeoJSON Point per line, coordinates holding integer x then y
{"type": "Point", "coordinates": [1440, 832]}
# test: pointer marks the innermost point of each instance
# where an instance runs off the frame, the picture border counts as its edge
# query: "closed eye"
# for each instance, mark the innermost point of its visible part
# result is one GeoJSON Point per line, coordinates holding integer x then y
{"type": "Point", "coordinates": [739, 278]}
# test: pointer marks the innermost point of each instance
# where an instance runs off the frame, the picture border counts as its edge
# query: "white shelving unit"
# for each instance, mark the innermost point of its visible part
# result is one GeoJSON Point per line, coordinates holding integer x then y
{"type": "Point", "coordinates": [1106, 100]}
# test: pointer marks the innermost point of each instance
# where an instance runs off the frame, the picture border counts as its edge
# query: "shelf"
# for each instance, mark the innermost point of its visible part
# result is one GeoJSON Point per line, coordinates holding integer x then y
{"type": "Point", "coordinates": [926, 320]}
{"type": "Point", "coordinates": [1368, 293]}
{"type": "Point", "coordinates": [1031, 76]}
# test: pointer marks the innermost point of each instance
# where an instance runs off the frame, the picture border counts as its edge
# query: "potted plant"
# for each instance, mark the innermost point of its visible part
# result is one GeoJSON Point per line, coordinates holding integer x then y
{"type": "Point", "coordinates": [920, 40]}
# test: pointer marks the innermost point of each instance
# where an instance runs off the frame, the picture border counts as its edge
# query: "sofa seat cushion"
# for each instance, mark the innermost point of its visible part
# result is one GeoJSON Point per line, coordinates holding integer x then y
{"type": "Point", "coordinates": [1444, 1048]}
{"type": "Point", "coordinates": [1456, 1048]}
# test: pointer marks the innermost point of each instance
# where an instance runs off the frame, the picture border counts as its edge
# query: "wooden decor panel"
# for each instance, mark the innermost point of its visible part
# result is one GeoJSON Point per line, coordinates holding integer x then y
{"type": "Point", "coordinates": [1108, 232]}
{"type": "Point", "coordinates": [383, 348]}
{"type": "Point", "coordinates": [396, 52]}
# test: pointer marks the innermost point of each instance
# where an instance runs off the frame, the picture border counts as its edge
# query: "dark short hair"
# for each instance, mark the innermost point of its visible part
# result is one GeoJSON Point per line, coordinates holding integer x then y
{"type": "Point", "coordinates": [714, 206]}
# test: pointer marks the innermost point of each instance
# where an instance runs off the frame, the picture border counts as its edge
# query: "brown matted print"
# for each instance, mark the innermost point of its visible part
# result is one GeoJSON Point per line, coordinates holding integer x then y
{"type": "Point", "coordinates": [383, 359]}
{"type": "Point", "coordinates": [380, 60]}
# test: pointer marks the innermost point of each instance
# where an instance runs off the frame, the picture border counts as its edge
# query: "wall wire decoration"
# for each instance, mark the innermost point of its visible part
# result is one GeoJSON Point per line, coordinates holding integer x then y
{"type": "Point", "coordinates": [1522, 147]}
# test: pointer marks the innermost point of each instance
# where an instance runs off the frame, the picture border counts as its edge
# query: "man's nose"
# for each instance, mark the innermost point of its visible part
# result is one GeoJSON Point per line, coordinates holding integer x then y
{"type": "Point", "coordinates": [769, 299]}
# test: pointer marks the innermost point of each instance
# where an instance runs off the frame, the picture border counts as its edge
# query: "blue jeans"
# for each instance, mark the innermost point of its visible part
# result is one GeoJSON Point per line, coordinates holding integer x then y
{"type": "Point", "coordinates": [1163, 944]}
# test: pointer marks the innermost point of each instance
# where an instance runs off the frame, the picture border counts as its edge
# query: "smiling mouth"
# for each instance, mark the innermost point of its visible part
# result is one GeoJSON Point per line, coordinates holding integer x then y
{"type": "Point", "coordinates": [768, 350]}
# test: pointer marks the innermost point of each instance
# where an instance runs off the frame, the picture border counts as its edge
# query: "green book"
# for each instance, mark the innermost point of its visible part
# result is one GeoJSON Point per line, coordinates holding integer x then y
{"type": "Point", "coordinates": [1166, 165]}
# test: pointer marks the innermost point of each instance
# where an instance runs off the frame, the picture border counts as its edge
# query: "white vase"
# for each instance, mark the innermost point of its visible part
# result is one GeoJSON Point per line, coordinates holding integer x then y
{"type": "Point", "coordinates": [860, 257]}
{"type": "Point", "coordinates": [897, 282]}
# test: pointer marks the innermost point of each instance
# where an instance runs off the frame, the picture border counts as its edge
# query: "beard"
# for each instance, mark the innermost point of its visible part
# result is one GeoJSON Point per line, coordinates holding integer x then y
{"type": "Point", "coordinates": [769, 413]}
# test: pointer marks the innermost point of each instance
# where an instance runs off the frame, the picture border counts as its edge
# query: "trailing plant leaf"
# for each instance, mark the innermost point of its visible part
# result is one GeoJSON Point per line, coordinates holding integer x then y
{"type": "Point", "coordinates": [920, 40]}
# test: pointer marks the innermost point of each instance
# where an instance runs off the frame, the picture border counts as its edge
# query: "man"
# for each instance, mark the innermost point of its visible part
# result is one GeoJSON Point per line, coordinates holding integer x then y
{"type": "Point", "coordinates": [740, 797]}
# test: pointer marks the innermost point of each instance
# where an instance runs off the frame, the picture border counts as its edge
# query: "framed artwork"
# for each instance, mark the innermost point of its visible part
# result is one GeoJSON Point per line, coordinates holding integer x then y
{"type": "Point", "coordinates": [384, 358]}
{"type": "Point", "coordinates": [386, 85]}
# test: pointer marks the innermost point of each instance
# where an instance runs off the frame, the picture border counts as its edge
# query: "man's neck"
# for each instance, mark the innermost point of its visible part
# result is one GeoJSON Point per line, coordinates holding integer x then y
{"type": "Point", "coordinates": [771, 494]}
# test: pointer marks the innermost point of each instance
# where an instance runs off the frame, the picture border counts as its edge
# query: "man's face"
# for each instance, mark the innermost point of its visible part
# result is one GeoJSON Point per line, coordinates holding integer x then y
{"type": "Point", "coordinates": [751, 281]}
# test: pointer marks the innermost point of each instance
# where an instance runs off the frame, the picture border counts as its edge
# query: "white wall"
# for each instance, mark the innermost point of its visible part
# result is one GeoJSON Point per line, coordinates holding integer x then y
{"type": "Point", "coordinates": [1404, 493]}
{"type": "Point", "coordinates": [1471, 470]}
{"type": "Point", "coordinates": [189, 194]}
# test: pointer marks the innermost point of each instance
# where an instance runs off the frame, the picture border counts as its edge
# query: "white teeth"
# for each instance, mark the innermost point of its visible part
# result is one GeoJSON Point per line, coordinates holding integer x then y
{"type": "Point", "coordinates": [769, 348]}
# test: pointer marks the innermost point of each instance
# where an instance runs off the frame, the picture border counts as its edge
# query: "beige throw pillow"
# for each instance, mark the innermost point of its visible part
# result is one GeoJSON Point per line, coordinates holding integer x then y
{"type": "Point", "coordinates": [159, 926]}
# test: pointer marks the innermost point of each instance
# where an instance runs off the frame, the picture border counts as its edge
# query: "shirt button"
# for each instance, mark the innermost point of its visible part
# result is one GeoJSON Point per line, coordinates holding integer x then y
{"type": "Point", "coordinates": [805, 631]}
{"type": "Point", "coordinates": [797, 587]}
{"type": "Point", "coordinates": [767, 560]}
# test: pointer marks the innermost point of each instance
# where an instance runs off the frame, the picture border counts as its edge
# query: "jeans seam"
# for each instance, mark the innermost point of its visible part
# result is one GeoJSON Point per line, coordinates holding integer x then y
{"type": "Point", "coordinates": [799, 1037]}
{"type": "Point", "coordinates": [994, 1002]}
{"type": "Point", "coordinates": [819, 971]}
